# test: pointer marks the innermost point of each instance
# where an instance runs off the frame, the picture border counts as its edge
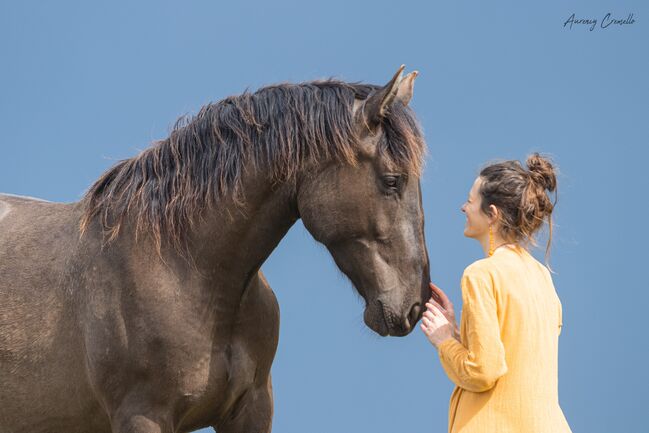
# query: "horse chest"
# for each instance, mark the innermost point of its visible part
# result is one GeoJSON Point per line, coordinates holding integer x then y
{"type": "Point", "coordinates": [237, 365]}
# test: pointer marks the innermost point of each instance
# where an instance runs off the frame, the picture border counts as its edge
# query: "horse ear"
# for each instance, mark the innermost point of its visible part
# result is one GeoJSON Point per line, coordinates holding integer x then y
{"type": "Point", "coordinates": [376, 104]}
{"type": "Point", "coordinates": [406, 87]}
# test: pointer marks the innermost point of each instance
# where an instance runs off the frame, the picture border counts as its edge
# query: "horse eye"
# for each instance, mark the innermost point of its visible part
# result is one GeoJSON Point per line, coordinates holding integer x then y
{"type": "Point", "coordinates": [392, 182]}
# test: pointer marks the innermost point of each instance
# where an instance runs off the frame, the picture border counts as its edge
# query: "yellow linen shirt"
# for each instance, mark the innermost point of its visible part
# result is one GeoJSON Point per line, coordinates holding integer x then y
{"type": "Point", "coordinates": [506, 367]}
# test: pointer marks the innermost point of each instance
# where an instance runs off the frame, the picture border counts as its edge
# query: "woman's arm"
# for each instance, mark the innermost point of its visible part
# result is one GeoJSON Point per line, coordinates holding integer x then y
{"type": "Point", "coordinates": [477, 363]}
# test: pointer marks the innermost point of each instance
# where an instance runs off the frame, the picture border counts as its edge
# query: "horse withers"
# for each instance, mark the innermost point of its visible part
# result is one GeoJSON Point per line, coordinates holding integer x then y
{"type": "Point", "coordinates": [142, 308]}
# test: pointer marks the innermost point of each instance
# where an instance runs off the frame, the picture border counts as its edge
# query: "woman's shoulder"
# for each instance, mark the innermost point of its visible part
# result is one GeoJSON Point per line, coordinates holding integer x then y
{"type": "Point", "coordinates": [504, 268]}
{"type": "Point", "coordinates": [477, 282]}
{"type": "Point", "coordinates": [479, 267]}
{"type": "Point", "coordinates": [493, 268]}
{"type": "Point", "coordinates": [480, 271]}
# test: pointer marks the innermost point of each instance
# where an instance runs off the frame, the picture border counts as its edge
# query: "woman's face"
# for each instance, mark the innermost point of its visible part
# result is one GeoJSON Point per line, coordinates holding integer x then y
{"type": "Point", "coordinates": [477, 222]}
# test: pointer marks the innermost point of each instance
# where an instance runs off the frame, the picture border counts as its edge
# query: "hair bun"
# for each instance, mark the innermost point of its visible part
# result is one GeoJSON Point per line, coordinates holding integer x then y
{"type": "Point", "coordinates": [542, 171]}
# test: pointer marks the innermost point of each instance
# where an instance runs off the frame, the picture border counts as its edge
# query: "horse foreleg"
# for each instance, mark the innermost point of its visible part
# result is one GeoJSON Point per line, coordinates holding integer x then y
{"type": "Point", "coordinates": [136, 415]}
{"type": "Point", "coordinates": [252, 413]}
{"type": "Point", "coordinates": [140, 424]}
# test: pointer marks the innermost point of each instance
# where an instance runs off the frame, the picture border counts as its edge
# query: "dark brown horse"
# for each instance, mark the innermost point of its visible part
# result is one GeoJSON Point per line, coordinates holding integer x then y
{"type": "Point", "coordinates": [142, 307]}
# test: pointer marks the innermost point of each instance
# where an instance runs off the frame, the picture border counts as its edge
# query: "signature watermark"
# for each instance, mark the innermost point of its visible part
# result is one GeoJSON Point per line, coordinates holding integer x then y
{"type": "Point", "coordinates": [606, 22]}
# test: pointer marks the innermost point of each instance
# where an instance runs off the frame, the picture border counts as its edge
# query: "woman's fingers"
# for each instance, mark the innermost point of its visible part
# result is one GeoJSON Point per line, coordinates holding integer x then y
{"type": "Point", "coordinates": [427, 325]}
{"type": "Point", "coordinates": [434, 309]}
{"type": "Point", "coordinates": [439, 292]}
{"type": "Point", "coordinates": [434, 314]}
{"type": "Point", "coordinates": [438, 316]}
{"type": "Point", "coordinates": [435, 295]}
{"type": "Point", "coordinates": [430, 323]}
{"type": "Point", "coordinates": [430, 317]}
{"type": "Point", "coordinates": [432, 303]}
{"type": "Point", "coordinates": [446, 303]}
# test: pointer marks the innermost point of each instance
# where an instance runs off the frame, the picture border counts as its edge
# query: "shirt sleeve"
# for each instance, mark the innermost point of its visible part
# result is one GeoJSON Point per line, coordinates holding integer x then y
{"type": "Point", "coordinates": [477, 363]}
{"type": "Point", "coordinates": [560, 317]}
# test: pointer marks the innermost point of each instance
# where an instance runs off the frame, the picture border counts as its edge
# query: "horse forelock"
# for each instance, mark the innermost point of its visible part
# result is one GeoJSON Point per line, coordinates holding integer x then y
{"type": "Point", "coordinates": [281, 128]}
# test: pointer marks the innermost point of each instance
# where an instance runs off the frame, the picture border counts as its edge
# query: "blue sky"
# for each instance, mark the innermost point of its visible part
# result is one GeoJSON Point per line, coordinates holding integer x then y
{"type": "Point", "coordinates": [84, 84]}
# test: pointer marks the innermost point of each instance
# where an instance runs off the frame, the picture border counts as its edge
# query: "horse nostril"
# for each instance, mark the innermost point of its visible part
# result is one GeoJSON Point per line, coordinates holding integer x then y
{"type": "Point", "coordinates": [413, 315]}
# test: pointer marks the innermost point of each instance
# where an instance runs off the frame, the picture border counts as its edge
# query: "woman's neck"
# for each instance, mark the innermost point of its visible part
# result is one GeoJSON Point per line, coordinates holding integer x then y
{"type": "Point", "coordinates": [498, 242]}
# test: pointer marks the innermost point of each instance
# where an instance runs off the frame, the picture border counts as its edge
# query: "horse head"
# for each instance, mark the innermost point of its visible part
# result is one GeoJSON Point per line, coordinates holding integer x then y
{"type": "Point", "coordinates": [369, 213]}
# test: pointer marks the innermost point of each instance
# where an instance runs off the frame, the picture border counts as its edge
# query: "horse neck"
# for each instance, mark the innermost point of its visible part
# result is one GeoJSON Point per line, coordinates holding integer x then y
{"type": "Point", "coordinates": [238, 237]}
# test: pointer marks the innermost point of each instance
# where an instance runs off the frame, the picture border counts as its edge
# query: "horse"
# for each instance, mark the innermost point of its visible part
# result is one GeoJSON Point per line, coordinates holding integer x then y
{"type": "Point", "coordinates": [142, 308]}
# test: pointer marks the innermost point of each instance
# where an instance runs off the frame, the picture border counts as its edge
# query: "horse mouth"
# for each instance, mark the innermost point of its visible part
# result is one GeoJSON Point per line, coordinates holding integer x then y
{"type": "Point", "coordinates": [393, 327]}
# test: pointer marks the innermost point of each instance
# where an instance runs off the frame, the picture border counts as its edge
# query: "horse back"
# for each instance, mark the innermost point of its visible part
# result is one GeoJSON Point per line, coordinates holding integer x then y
{"type": "Point", "coordinates": [36, 239]}
{"type": "Point", "coordinates": [39, 347]}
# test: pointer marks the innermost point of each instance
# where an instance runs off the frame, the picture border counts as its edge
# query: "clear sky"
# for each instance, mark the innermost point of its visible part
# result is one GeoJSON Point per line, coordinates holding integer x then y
{"type": "Point", "coordinates": [84, 84]}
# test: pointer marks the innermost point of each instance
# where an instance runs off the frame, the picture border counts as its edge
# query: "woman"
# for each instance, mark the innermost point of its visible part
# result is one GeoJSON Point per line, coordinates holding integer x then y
{"type": "Point", "coordinates": [503, 359]}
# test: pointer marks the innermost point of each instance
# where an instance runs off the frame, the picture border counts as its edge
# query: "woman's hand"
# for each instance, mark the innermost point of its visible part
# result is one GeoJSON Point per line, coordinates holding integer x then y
{"type": "Point", "coordinates": [435, 326]}
{"type": "Point", "coordinates": [445, 307]}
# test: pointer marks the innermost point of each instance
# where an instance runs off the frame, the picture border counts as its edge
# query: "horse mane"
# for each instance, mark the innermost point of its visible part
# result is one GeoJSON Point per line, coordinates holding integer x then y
{"type": "Point", "coordinates": [281, 128]}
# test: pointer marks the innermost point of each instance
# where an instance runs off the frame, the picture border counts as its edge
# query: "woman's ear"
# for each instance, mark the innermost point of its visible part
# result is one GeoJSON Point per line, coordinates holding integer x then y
{"type": "Point", "coordinates": [495, 214]}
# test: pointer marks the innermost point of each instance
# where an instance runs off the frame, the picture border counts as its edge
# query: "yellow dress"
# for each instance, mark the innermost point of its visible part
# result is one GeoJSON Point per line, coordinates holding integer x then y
{"type": "Point", "coordinates": [505, 368]}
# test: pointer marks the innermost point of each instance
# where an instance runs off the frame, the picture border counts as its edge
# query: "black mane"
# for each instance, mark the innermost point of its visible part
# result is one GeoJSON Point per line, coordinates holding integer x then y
{"type": "Point", "coordinates": [279, 128]}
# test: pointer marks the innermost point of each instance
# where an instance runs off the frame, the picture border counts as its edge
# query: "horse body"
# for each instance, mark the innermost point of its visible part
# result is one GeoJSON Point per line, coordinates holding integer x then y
{"type": "Point", "coordinates": [134, 334]}
{"type": "Point", "coordinates": [41, 373]}
{"type": "Point", "coordinates": [211, 332]}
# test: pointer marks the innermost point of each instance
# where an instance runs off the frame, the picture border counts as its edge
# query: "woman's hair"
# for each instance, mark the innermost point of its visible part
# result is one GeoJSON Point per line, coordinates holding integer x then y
{"type": "Point", "coordinates": [521, 196]}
